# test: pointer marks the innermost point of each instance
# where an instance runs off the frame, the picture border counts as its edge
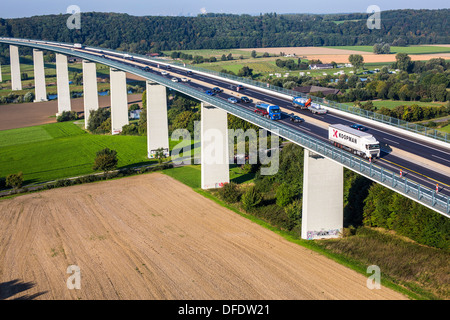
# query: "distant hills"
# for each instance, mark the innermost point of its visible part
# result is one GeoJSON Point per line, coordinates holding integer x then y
{"type": "Point", "coordinates": [226, 31]}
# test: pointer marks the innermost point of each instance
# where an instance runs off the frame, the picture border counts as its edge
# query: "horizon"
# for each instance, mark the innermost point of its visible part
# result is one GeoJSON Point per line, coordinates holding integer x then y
{"type": "Point", "coordinates": [173, 8]}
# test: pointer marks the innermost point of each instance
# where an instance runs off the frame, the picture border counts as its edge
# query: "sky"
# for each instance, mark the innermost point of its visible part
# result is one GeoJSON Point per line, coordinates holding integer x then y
{"type": "Point", "coordinates": [27, 8]}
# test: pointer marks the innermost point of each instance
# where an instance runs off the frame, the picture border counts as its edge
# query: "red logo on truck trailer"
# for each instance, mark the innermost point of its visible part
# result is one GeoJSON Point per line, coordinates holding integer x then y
{"type": "Point", "coordinates": [335, 133]}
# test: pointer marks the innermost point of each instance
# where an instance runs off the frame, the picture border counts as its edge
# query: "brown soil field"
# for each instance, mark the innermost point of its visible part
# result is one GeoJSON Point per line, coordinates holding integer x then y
{"type": "Point", "coordinates": [327, 55]}
{"type": "Point", "coordinates": [305, 51]}
{"type": "Point", "coordinates": [31, 114]}
{"type": "Point", "coordinates": [373, 58]}
{"type": "Point", "coordinates": [151, 237]}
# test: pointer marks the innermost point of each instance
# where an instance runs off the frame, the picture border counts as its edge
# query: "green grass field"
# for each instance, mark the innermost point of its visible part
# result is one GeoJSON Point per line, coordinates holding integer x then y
{"type": "Point", "coordinates": [445, 129]}
{"type": "Point", "coordinates": [62, 150]}
{"type": "Point", "coordinates": [391, 104]}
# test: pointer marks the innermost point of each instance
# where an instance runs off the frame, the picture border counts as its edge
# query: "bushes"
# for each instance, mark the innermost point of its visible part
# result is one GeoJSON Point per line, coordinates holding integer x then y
{"type": "Point", "coordinates": [388, 209]}
{"type": "Point", "coordinates": [67, 116]}
{"type": "Point", "coordinates": [230, 193]}
{"type": "Point", "coordinates": [14, 180]}
{"type": "Point", "coordinates": [106, 160]}
{"type": "Point", "coordinates": [100, 121]}
{"type": "Point", "coordinates": [250, 199]}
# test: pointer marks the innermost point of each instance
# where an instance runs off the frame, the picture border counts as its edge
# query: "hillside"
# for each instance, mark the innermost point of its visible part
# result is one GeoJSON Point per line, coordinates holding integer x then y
{"type": "Point", "coordinates": [221, 31]}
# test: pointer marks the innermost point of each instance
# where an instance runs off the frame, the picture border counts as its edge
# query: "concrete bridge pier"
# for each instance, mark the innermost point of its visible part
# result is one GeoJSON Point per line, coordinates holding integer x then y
{"type": "Point", "coordinates": [39, 76]}
{"type": "Point", "coordinates": [157, 123]}
{"type": "Point", "coordinates": [90, 90]}
{"type": "Point", "coordinates": [62, 83]}
{"type": "Point", "coordinates": [214, 147]}
{"type": "Point", "coordinates": [323, 197]}
{"type": "Point", "coordinates": [16, 81]}
{"type": "Point", "coordinates": [119, 100]}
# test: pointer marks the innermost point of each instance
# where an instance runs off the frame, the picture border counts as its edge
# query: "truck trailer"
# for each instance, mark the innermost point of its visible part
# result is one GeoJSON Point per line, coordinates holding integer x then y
{"type": "Point", "coordinates": [359, 143]}
{"type": "Point", "coordinates": [300, 102]}
{"type": "Point", "coordinates": [317, 108]}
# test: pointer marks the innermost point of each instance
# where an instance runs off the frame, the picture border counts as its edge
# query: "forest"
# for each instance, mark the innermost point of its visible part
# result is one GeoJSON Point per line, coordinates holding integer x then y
{"type": "Point", "coordinates": [225, 31]}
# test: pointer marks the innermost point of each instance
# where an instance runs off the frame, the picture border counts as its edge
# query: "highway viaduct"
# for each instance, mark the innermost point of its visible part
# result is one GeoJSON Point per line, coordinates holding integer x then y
{"type": "Point", "coordinates": [414, 163]}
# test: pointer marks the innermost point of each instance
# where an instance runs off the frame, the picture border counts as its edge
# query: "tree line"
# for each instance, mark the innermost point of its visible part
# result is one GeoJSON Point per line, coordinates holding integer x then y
{"type": "Point", "coordinates": [160, 33]}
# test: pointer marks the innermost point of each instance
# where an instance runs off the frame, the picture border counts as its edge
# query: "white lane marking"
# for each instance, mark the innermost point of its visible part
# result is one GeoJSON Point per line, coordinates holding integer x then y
{"type": "Point", "coordinates": [440, 158]}
{"type": "Point", "coordinates": [391, 141]}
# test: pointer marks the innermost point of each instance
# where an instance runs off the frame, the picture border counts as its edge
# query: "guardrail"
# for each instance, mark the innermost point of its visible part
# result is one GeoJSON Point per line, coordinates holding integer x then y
{"type": "Point", "coordinates": [412, 127]}
{"type": "Point", "coordinates": [426, 196]}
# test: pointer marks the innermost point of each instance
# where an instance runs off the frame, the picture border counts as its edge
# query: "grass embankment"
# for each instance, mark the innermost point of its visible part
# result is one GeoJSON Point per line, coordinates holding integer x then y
{"type": "Point", "coordinates": [415, 270]}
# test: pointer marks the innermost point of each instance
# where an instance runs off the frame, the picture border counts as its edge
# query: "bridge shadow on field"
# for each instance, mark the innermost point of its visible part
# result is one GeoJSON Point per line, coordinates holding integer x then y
{"type": "Point", "coordinates": [13, 287]}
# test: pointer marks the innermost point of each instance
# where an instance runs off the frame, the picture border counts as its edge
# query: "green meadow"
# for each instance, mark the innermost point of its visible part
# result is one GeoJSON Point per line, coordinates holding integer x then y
{"type": "Point", "coordinates": [391, 104]}
{"type": "Point", "coordinates": [61, 150]}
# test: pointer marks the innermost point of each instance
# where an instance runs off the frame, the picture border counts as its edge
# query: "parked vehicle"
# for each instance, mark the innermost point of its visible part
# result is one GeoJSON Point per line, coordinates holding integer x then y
{"type": "Point", "coordinates": [300, 102]}
{"type": "Point", "coordinates": [355, 141]}
{"type": "Point", "coordinates": [268, 111]}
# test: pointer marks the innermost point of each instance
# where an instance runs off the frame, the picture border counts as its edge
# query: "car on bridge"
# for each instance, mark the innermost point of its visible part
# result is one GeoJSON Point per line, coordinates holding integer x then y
{"type": "Point", "coordinates": [246, 100]}
{"type": "Point", "coordinates": [232, 100]}
{"type": "Point", "coordinates": [185, 79]}
{"type": "Point", "coordinates": [358, 127]}
{"type": "Point", "coordinates": [164, 73]}
{"type": "Point", "coordinates": [147, 68]}
{"type": "Point", "coordinates": [239, 87]}
{"type": "Point", "coordinates": [189, 72]}
{"type": "Point", "coordinates": [217, 90]}
{"type": "Point", "coordinates": [209, 92]}
{"type": "Point", "coordinates": [295, 118]}
{"type": "Point", "coordinates": [174, 79]}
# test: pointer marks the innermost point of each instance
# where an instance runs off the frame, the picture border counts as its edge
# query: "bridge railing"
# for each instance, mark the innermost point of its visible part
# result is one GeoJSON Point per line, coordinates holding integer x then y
{"type": "Point", "coordinates": [412, 127]}
{"type": "Point", "coordinates": [429, 197]}
{"type": "Point", "coordinates": [402, 124]}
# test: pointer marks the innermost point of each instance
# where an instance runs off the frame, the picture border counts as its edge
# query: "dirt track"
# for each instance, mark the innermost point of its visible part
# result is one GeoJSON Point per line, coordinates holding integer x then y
{"type": "Point", "coordinates": [151, 237]}
{"type": "Point", "coordinates": [31, 114]}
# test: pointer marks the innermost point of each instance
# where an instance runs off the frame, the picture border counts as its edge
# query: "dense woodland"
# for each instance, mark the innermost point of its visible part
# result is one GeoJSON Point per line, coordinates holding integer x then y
{"type": "Point", "coordinates": [224, 31]}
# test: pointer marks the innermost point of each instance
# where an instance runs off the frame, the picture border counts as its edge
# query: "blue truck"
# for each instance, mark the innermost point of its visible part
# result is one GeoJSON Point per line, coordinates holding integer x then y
{"type": "Point", "coordinates": [269, 111]}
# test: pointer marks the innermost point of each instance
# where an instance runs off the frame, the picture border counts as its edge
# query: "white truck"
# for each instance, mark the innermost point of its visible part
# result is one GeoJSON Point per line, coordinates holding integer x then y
{"type": "Point", "coordinates": [78, 46]}
{"type": "Point", "coordinates": [317, 108]}
{"type": "Point", "coordinates": [359, 143]}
